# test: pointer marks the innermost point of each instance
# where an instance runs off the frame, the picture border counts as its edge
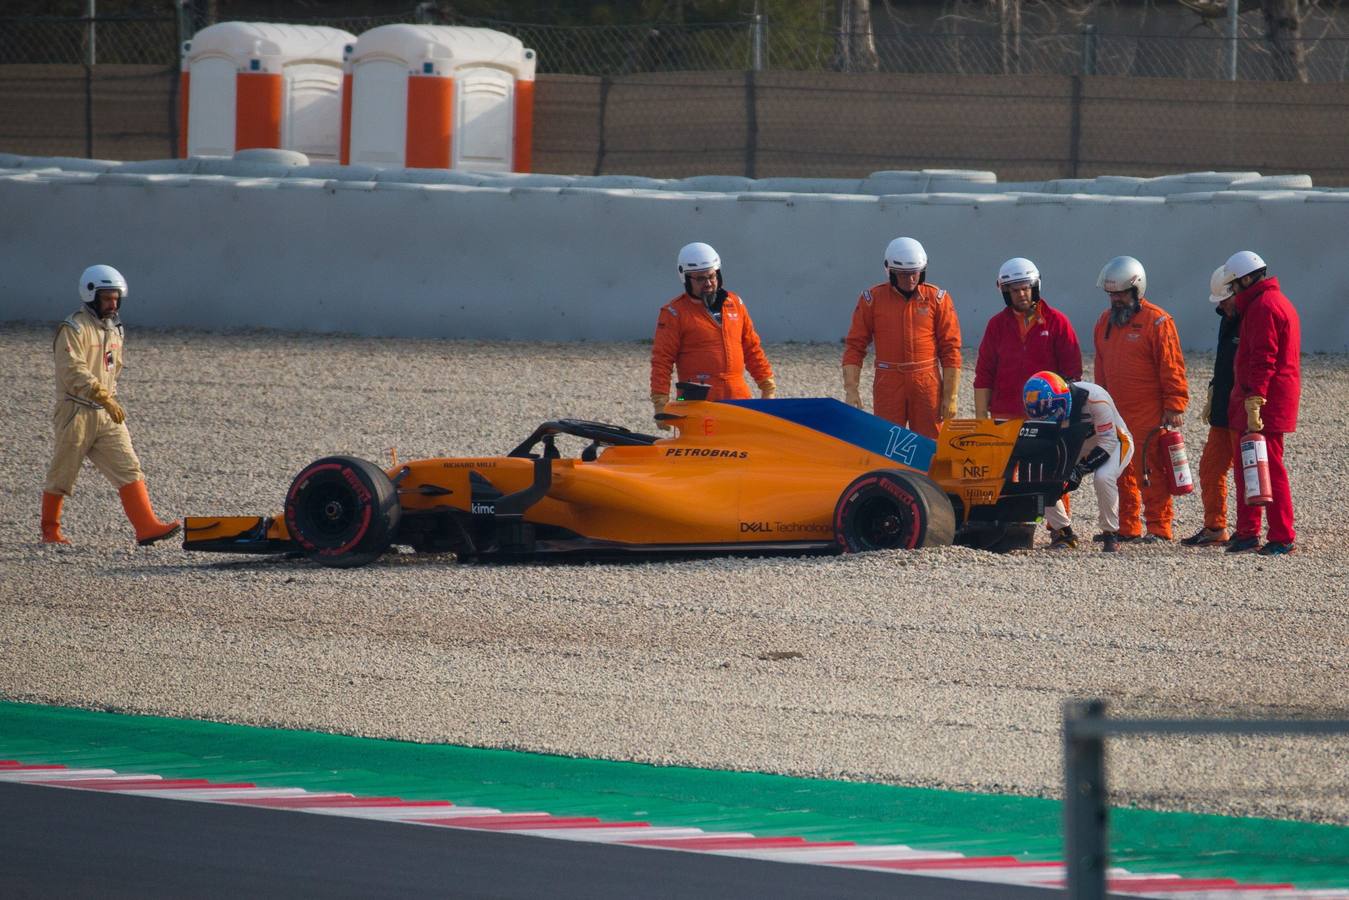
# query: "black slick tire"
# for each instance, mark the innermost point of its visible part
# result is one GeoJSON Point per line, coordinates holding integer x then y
{"type": "Point", "coordinates": [342, 511]}
{"type": "Point", "coordinates": [893, 509]}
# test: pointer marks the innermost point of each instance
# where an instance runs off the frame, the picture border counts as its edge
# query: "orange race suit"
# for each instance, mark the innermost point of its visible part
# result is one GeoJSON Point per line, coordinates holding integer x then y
{"type": "Point", "coordinates": [916, 340]}
{"type": "Point", "coordinates": [1141, 365]}
{"type": "Point", "coordinates": [701, 349]}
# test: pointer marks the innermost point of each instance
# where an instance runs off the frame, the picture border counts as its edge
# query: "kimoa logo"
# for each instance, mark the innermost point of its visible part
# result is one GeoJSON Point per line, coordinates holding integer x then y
{"type": "Point", "coordinates": [966, 441]}
{"type": "Point", "coordinates": [483, 509]}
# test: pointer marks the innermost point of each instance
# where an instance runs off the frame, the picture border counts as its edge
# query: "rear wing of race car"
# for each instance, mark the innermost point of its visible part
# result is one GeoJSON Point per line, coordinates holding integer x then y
{"type": "Point", "coordinates": [999, 473]}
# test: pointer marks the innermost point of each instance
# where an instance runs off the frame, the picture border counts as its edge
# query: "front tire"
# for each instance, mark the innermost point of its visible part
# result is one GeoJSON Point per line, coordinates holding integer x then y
{"type": "Point", "coordinates": [891, 509]}
{"type": "Point", "coordinates": [342, 511]}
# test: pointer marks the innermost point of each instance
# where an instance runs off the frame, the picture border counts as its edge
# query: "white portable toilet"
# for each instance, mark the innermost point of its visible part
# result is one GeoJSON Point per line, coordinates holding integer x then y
{"type": "Point", "coordinates": [256, 84]}
{"type": "Point", "coordinates": [439, 97]}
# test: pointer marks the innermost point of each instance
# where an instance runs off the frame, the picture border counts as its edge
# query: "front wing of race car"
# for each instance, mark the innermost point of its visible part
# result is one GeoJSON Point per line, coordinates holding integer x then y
{"type": "Point", "coordinates": [237, 534]}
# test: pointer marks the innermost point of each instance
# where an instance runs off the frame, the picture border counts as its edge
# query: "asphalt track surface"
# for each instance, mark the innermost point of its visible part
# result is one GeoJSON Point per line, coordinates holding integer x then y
{"type": "Point", "coordinates": [66, 843]}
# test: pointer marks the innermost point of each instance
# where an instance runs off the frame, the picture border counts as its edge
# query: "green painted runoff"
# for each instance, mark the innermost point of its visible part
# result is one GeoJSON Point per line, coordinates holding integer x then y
{"type": "Point", "coordinates": [1247, 849]}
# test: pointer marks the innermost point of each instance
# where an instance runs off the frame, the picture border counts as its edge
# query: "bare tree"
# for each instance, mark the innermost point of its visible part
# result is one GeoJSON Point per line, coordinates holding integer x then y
{"type": "Point", "coordinates": [1283, 29]}
{"type": "Point", "coordinates": [1009, 32]}
{"type": "Point", "coordinates": [855, 47]}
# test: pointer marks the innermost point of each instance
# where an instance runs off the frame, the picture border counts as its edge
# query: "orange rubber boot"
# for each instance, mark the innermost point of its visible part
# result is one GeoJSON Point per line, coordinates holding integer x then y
{"type": "Point", "coordinates": [136, 502]}
{"type": "Point", "coordinates": [51, 519]}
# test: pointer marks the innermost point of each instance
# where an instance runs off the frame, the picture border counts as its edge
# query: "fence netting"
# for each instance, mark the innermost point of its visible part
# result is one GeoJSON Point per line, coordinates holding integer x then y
{"type": "Point", "coordinates": [759, 44]}
{"type": "Point", "coordinates": [760, 99]}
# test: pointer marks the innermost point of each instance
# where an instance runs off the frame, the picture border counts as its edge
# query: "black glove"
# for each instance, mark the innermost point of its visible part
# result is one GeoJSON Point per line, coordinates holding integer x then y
{"type": "Point", "coordinates": [1087, 464]}
{"type": "Point", "coordinates": [1094, 460]}
{"type": "Point", "coordinates": [1075, 479]}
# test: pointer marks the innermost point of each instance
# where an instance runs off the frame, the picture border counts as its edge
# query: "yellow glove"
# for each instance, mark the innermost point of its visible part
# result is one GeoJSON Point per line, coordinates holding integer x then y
{"type": "Point", "coordinates": [658, 401]}
{"type": "Point", "coordinates": [100, 395]}
{"type": "Point", "coordinates": [1207, 415]}
{"type": "Point", "coordinates": [950, 387]}
{"type": "Point", "coordinates": [852, 381]}
{"type": "Point", "coordinates": [768, 388]}
{"type": "Point", "coordinates": [1253, 420]}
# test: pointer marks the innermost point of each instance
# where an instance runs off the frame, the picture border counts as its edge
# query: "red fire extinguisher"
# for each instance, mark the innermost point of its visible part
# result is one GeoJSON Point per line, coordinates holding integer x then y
{"type": "Point", "coordinates": [1255, 470]}
{"type": "Point", "coordinates": [1179, 481]}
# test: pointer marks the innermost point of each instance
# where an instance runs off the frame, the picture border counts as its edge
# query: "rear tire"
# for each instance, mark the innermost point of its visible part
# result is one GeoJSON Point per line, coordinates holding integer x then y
{"type": "Point", "coordinates": [342, 511]}
{"type": "Point", "coordinates": [891, 509]}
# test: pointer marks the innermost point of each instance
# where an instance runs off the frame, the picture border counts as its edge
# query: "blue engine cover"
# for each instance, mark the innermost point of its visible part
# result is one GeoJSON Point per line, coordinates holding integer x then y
{"type": "Point", "coordinates": [846, 423]}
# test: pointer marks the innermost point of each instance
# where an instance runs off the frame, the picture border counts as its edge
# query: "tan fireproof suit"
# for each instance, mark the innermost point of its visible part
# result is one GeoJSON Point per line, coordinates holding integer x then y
{"type": "Point", "coordinates": [88, 351]}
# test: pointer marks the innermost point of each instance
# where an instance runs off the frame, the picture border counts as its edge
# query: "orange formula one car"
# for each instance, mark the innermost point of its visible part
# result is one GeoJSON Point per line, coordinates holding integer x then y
{"type": "Point", "coordinates": [738, 476]}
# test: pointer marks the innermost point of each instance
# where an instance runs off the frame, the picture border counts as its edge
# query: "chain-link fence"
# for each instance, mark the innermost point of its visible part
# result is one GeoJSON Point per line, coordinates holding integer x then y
{"type": "Point", "coordinates": [758, 44]}
{"type": "Point", "coordinates": [770, 100]}
{"type": "Point", "coordinates": [120, 40]}
{"type": "Point", "coordinates": [762, 46]}
{"type": "Point", "coordinates": [1023, 127]}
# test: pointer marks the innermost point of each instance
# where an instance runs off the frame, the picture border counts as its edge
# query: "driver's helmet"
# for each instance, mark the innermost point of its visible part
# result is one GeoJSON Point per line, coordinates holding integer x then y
{"type": "Point", "coordinates": [1047, 397]}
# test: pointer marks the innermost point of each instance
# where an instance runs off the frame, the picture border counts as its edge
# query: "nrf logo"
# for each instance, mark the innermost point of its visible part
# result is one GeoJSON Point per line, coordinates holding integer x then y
{"type": "Point", "coordinates": [484, 509]}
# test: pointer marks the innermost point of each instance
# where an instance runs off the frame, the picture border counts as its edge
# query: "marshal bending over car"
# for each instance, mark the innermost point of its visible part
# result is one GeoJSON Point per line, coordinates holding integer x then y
{"type": "Point", "coordinates": [809, 475]}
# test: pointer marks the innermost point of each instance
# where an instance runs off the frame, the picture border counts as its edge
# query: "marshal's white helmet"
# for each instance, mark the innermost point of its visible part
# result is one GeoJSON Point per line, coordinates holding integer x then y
{"type": "Point", "coordinates": [1243, 263]}
{"type": "Point", "coordinates": [1219, 285]}
{"type": "Point", "coordinates": [1018, 270]}
{"type": "Point", "coordinates": [1123, 273]}
{"type": "Point", "coordinates": [904, 254]}
{"type": "Point", "coordinates": [101, 278]}
{"type": "Point", "coordinates": [697, 257]}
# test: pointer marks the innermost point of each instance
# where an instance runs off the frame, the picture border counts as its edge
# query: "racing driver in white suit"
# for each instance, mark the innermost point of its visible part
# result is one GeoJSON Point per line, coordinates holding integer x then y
{"type": "Point", "coordinates": [1104, 455]}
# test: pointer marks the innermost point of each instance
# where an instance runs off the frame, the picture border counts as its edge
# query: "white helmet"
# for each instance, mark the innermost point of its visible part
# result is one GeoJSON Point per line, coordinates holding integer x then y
{"type": "Point", "coordinates": [697, 257]}
{"type": "Point", "coordinates": [906, 255]}
{"type": "Point", "coordinates": [101, 278]}
{"type": "Point", "coordinates": [1219, 285]}
{"type": "Point", "coordinates": [1243, 263]}
{"type": "Point", "coordinates": [1123, 273]}
{"type": "Point", "coordinates": [1018, 270]}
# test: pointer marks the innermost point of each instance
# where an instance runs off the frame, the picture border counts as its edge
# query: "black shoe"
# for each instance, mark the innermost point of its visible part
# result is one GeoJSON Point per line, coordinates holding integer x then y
{"type": "Point", "coordinates": [1063, 539]}
{"type": "Point", "coordinates": [1243, 544]}
{"type": "Point", "coordinates": [1109, 543]}
{"type": "Point", "coordinates": [1205, 536]}
{"type": "Point", "coordinates": [1120, 538]}
{"type": "Point", "coordinates": [1277, 548]}
{"type": "Point", "coordinates": [1151, 538]}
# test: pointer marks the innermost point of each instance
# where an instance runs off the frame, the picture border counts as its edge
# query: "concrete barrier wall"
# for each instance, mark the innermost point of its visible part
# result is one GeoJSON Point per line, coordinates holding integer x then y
{"type": "Point", "coordinates": [580, 259]}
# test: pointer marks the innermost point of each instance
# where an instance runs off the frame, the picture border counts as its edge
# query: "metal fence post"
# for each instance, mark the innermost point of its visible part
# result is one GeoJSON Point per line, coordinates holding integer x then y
{"type": "Point", "coordinates": [751, 125]}
{"type": "Point", "coordinates": [1088, 50]}
{"type": "Point", "coordinates": [1084, 807]}
{"type": "Point", "coordinates": [90, 58]}
{"type": "Point", "coordinates": [605, 83]}
{"type": "Point", "coordinates": [1233, 34]}
{"type": "Point", "coordinates": [756, 41]}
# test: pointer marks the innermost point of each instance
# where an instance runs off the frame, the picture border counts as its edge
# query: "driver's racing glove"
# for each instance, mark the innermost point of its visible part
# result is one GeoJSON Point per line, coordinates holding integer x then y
{"type": "Point", "coordinates": [1085, 466]}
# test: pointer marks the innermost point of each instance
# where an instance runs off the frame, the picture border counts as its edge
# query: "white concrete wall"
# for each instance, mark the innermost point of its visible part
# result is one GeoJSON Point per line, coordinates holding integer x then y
{"type": "Point", "coordinates": [543, 257]}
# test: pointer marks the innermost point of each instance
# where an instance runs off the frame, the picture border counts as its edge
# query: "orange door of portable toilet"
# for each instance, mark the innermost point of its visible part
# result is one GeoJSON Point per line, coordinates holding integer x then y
{"type": "Point", "coordinates": [438, 97]}
{"type": "Point", "coordinates": [251, 84]}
